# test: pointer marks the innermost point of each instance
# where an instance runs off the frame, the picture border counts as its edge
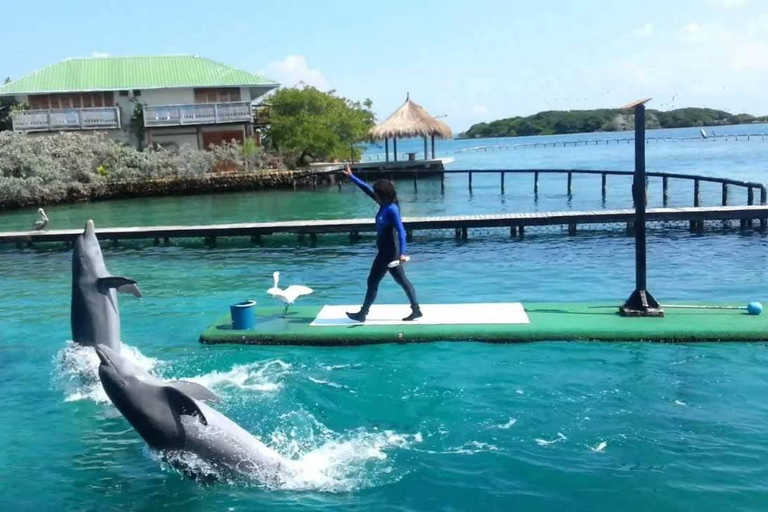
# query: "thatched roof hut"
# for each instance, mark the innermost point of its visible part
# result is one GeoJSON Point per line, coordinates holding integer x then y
{"type": "Point", "coordinates": [410, 120]}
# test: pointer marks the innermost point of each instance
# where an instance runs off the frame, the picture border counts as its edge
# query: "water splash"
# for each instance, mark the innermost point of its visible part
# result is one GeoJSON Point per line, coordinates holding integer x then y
{"type": "Point", "coordinates": [544, 442]}
{"type": "Point", "coordinates": [259, 376]}
{"type": "Point", "coordinates": [347, 463]}
{"type": "Point", "coordinates": [325, 382]}
{"type": "Point", "coordinates": [507, 425]}
{"type": "Point", "coordinates": [76, 371]}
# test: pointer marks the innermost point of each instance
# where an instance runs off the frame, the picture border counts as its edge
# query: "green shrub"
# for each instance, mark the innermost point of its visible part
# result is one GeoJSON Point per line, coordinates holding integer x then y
{"type": "Point", "coordinates": [37, 169]}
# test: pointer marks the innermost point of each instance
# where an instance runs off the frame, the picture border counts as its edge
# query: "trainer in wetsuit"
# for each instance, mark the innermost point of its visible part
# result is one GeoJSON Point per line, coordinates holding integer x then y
{"type": "Point", "coordinates": [390, 240]}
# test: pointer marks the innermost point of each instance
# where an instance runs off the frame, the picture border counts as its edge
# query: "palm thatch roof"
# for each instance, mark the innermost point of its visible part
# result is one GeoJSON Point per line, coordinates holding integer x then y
{"type": "Point", "coordinates": [410, 120]}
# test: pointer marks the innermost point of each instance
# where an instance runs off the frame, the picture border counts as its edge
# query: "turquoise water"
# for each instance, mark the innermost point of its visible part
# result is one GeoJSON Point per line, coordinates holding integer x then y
{"type": "Point", "coordinates": [441, 426]}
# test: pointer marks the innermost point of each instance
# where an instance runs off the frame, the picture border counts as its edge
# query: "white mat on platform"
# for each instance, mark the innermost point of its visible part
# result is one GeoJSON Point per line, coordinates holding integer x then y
{"type": "Point", "coordinates": [434, 314]}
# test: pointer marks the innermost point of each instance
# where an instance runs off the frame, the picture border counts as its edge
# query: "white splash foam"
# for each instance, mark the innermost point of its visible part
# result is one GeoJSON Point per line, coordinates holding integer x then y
{"type": "Point", "coordinates": [507, 425]}
{"type": "Point", "coordinates": [468, 448]}
{"type": "Point", "coordinates": [76, 371]}
{"type": "Point", "coordinates": [344, 465]}
{"type": "Point", "coordinates": [544, 442]}
{"type": "Point", "coordinates": [678, 402]}
{"type": "Point", "coordinates": [339, 465]}
{"type": "Point", "coordinates": [260, 376]}
{"type": "Point", "coordinates": [474, 447]}
{"type": "Point", "coordinates": [599, 447]}
{"type": "Point", "coordinates": [331, 368]}
{"type": "Point", "coordinates": [325, 382]}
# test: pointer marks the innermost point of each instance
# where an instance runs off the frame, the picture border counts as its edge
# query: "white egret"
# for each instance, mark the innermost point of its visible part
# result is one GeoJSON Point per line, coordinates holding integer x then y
{"type": "Point", "coordinates": [42, 222]}
{"type": "Point", "coordinates": [289, 295]}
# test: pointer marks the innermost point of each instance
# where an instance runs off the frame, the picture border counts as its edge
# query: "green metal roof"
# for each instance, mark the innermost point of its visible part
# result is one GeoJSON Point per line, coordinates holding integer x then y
{"type": "Point", "coordinates": [121, 73]}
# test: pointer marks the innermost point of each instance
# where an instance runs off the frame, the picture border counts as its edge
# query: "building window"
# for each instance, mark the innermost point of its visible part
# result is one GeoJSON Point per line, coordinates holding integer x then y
{"type": "Point", "coordinates": [71, 100]}
{"type": "Point", "coordinates": [217, 95]}
{"type": "Point", "coordinates": [136, 92]}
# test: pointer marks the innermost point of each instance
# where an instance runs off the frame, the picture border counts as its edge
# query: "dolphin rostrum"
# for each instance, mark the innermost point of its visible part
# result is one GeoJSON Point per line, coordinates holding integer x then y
{"type": "Point", "coordinates": [173, 420]}
{"type": "Point", "coordinates": [95, 315]}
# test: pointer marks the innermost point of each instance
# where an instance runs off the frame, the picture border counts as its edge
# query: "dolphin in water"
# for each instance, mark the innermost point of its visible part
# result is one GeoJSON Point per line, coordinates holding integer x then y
{"type": "Point", "coordinates": [190, 435]}
{"type": "Point", "coordinates": [95, 316]}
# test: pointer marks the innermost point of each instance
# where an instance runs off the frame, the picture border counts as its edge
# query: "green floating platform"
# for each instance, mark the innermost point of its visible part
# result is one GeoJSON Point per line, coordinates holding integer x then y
{"type": "Point", "coordinates": [548, 322]}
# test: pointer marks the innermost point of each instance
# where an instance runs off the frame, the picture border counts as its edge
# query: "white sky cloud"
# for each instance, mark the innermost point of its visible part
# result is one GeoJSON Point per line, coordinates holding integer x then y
{"type": "Point", "coordinates": [728, 4]}
{"type": "Point", "coordinates": [293, 70]}
{"type": "Point", "coordinates": [691, 28]}
{"type": "Point", "coordinates": [99, 54]}
{"type": "Point", "coordinates": [646, 30]}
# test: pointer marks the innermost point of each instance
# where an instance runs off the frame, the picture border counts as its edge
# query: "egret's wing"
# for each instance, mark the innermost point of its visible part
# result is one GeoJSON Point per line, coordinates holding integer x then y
{"type": "Point", "coordinates": [296, 290]}
{"type": "Point", "coordinates": [299, 289]}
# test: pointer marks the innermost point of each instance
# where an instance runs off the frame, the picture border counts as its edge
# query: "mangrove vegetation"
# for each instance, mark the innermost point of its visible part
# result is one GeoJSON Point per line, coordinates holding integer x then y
{"type": "Point", "coordinates": [603, 120]}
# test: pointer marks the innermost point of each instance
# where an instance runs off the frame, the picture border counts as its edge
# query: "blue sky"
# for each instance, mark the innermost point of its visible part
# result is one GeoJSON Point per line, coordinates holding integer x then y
{"type": "Point", "coordinates": [472, 61]}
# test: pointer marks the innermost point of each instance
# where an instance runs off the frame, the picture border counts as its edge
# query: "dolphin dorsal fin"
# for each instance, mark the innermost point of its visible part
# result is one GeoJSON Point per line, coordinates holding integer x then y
{"type": "Point", "coordinates": [182, 403]}
{"type": "Point", "coordinates": [194, 390]}
{"type": "Point", "coordinates": [121, 284]}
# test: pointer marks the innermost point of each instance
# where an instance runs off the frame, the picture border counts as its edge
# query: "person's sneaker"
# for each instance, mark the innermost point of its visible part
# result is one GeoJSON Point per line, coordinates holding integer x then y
{"type": "Point", "coordinates": [357, 317]}
{"type": "Point", "coordinates": [416, 313]}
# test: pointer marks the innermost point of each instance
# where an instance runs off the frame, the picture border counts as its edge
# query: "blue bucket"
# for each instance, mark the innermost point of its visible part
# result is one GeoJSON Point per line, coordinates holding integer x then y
{"type": "Point", "coordinates": [243, 317]}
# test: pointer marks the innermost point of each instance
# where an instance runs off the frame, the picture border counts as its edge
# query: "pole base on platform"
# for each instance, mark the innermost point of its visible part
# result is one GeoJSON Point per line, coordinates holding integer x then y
{"type": "Point", "coordinates": [641, 303]}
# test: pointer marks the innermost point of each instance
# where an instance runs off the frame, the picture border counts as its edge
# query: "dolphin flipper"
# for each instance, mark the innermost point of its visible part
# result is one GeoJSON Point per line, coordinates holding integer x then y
{"type": "Point", "coordinates": [121, 284]}
{"type": "Point", "coordinates": [182, 403]}
{"type": "Point", "coordinates": [193, 389]}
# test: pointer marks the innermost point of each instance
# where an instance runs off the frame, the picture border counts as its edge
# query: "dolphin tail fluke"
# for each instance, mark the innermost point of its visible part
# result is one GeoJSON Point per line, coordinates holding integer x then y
{"type": "Point", "coordinates": [121, 284]}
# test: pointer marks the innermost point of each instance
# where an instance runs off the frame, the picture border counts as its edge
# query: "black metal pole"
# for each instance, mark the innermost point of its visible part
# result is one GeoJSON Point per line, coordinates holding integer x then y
{"type": "Point", "coordinates": [641, 302]}
{"type": "Point", "coordinates": [638, 193]}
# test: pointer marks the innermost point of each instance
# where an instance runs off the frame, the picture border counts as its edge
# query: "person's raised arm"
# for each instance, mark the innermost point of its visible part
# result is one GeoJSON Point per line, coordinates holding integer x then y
{"type": "Point", "coordinates": [360, 183]}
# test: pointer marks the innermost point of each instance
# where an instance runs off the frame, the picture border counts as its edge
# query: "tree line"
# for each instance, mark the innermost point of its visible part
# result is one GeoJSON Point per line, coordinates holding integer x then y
{"type": "Point", "coordinates": [603, 120]}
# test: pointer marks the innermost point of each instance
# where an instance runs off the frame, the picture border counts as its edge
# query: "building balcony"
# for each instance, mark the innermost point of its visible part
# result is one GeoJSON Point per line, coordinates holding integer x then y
{"type": "Point", "coordinates": [101, 118]}
{"type": "Point", "coordinates": [197, 113]}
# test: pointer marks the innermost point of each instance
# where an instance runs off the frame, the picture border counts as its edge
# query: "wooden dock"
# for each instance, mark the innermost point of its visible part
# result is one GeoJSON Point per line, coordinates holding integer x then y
{"type": "Point", "coordinates": [748, 216]}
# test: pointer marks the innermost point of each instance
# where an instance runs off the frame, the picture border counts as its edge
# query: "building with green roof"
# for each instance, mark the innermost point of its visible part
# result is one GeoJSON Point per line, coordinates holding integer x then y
{"type": "Point", "coordinates": [180, 99]}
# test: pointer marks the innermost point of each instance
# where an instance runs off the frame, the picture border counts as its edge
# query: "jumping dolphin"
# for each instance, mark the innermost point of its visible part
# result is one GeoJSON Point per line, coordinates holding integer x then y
{"type": "Point", "coordinates": [95, 316]}
{"type": "Point", "coordinates": [127, 367]}
{"type": "Point", "coordinates": [173, 421]}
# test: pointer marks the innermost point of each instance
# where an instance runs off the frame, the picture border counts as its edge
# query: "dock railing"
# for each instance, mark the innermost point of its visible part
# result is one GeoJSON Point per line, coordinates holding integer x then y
{"type": "Point", "coordinates": [696, 180]}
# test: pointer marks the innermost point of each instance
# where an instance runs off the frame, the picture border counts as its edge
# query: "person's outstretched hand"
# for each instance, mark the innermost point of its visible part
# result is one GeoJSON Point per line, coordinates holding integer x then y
{"type": "Point", "coordinates": [347, 171]}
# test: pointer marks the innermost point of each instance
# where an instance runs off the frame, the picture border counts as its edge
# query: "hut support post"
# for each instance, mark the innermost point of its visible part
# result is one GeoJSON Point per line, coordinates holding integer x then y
{"type": "Point", "coordinates": [433, 146]}
{"type": "Point", "coordinates": [394, 147]}
{"type": "Point", "coordinates": [386, 149]}
{"type": "Point", "coordinates": [426, 155]}
{"type": "Point", "coordinates": [640, 302]}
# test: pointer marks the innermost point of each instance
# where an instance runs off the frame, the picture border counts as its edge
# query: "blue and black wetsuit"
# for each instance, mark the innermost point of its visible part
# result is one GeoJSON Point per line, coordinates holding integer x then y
{"type": "Point", "coordinates": [391, 243]}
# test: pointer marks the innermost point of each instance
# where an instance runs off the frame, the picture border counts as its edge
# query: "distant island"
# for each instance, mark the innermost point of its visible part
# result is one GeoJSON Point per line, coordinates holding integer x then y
{"type": "Point", "coordinates": [553, 122]}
